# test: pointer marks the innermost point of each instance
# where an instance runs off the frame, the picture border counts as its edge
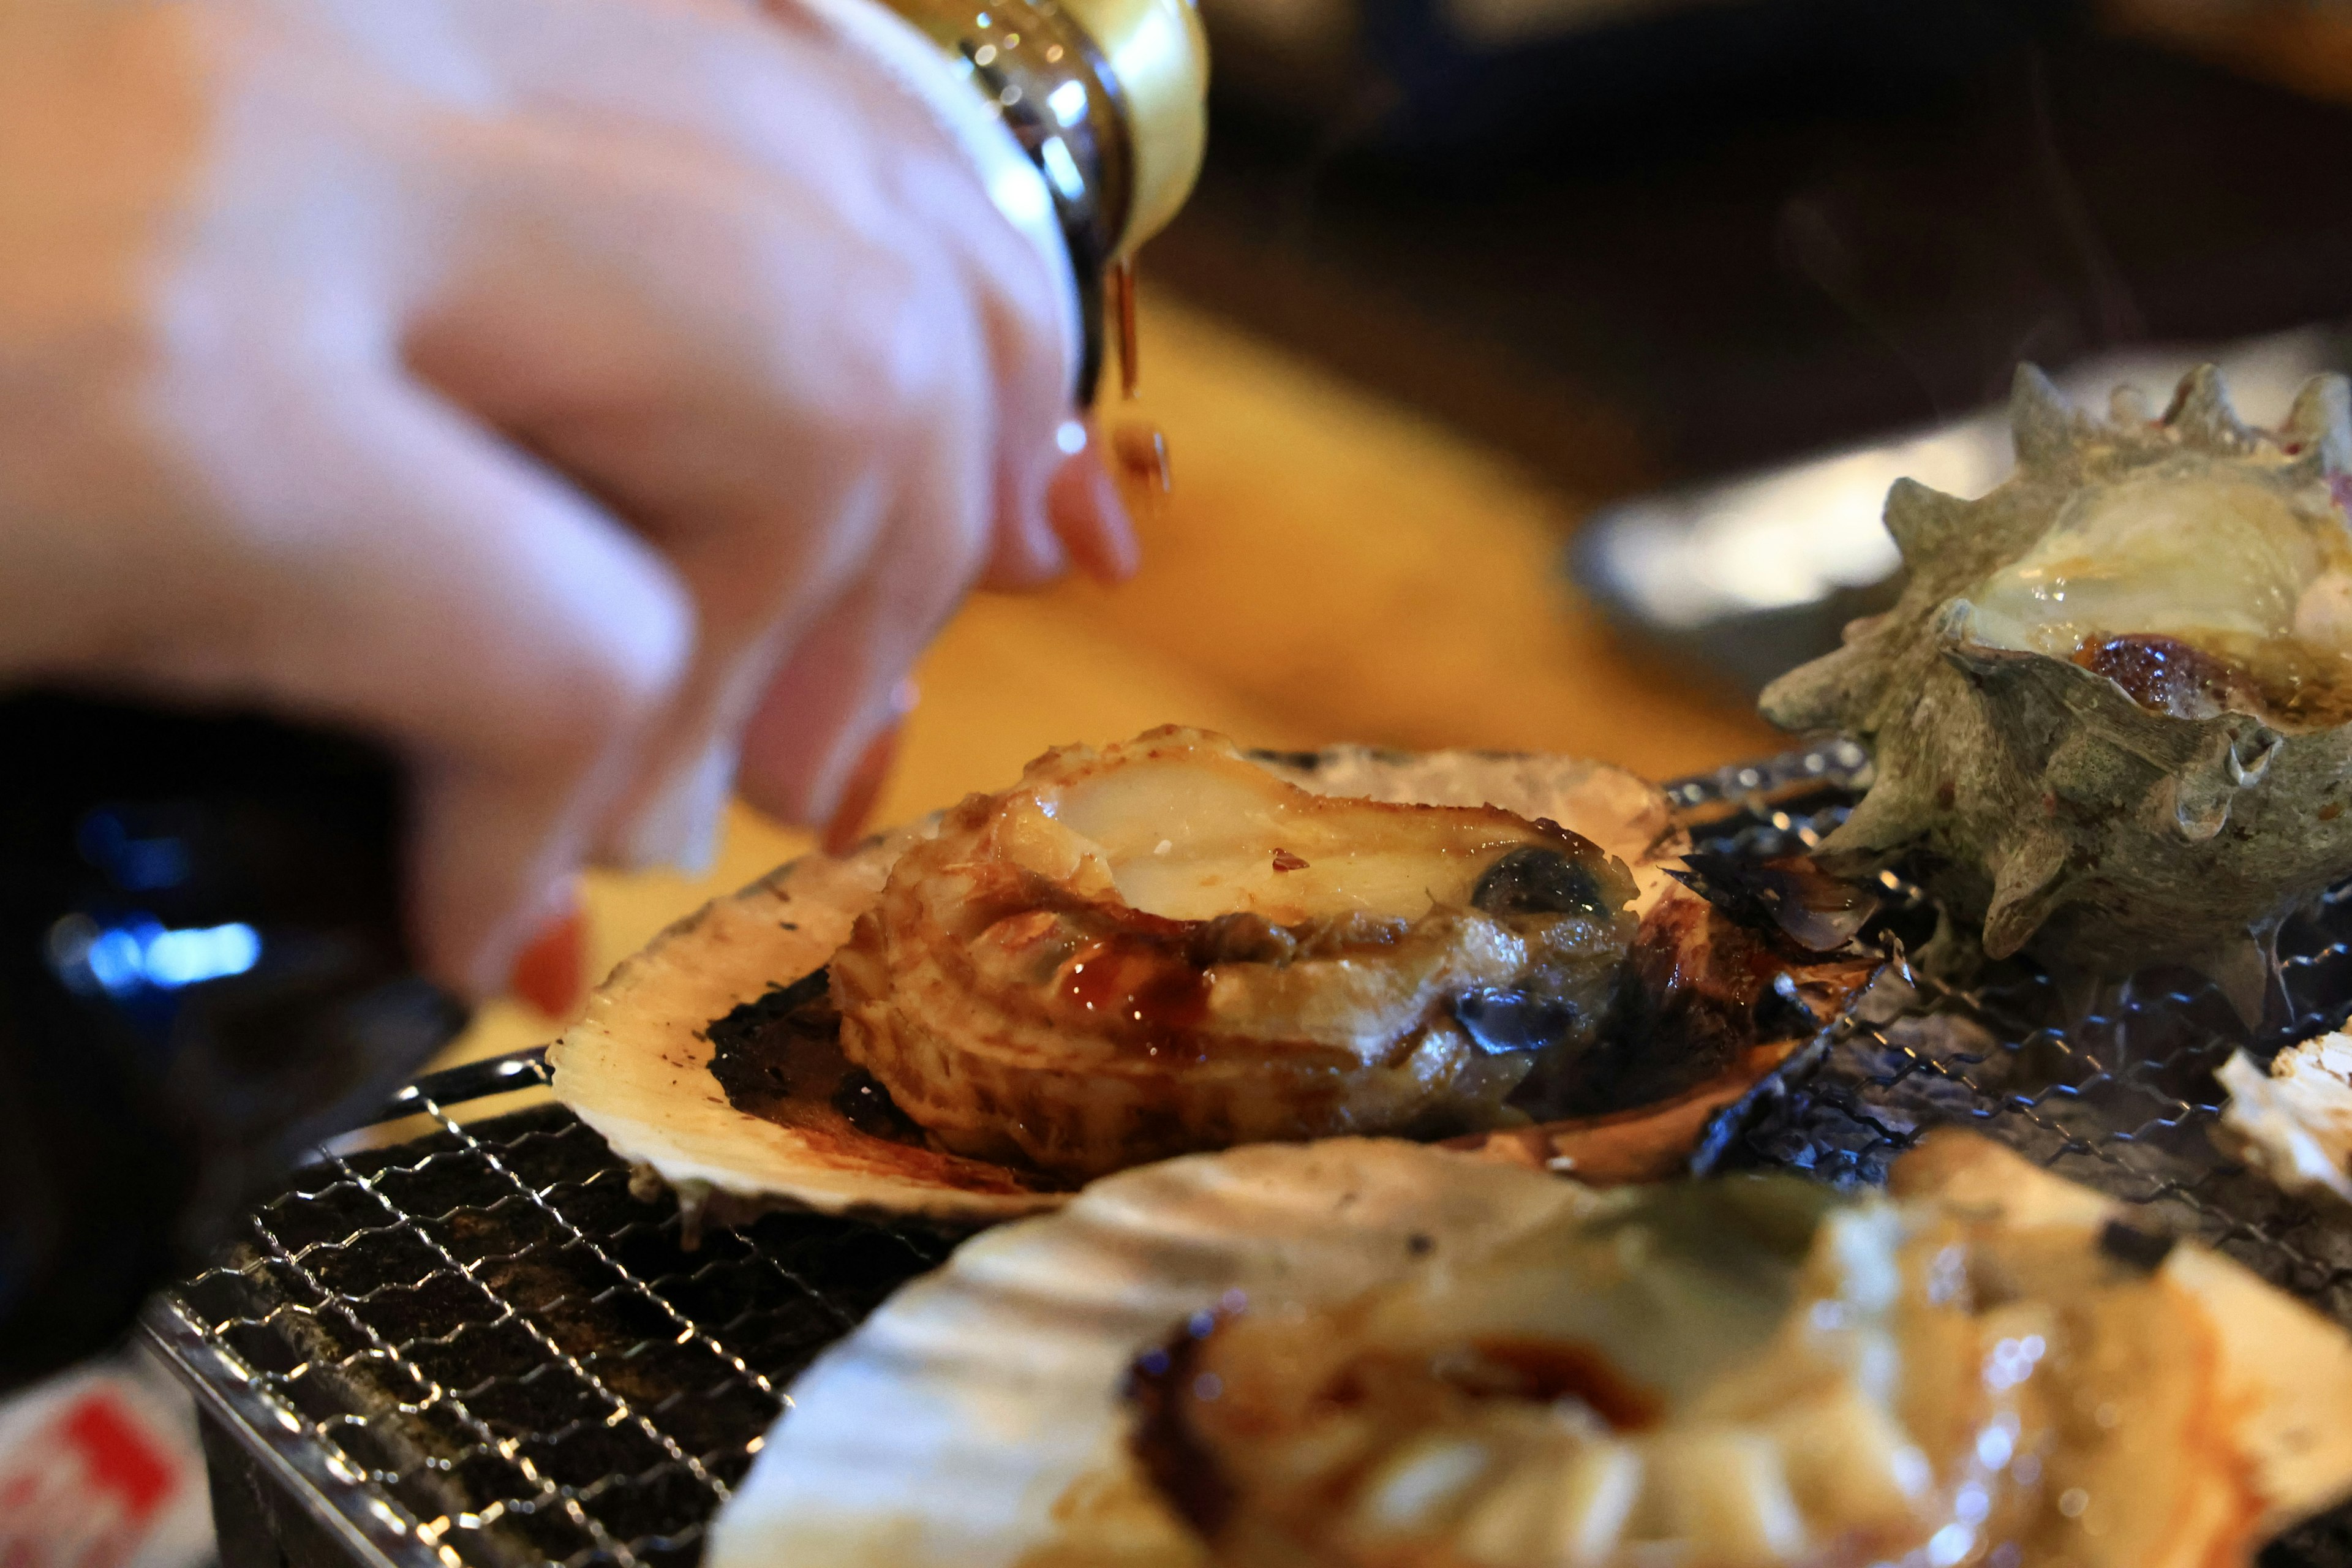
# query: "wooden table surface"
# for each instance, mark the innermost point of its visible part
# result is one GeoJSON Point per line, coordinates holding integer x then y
{"type": "Point", "coordinates": [1329, 567]}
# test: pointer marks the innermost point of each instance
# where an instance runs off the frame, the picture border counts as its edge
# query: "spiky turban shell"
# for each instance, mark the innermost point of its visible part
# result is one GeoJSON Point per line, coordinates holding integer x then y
{"type": "Point", "coordinates": [2040, 801]}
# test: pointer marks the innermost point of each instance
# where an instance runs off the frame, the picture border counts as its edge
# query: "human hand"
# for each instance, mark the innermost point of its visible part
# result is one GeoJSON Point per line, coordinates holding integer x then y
{"type": "Point", "coordinates": [558, 389]}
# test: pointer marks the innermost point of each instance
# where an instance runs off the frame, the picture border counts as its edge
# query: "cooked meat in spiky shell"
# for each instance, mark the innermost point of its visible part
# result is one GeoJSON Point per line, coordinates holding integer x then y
{"type": "Point", "coordinates": [2108, 713]}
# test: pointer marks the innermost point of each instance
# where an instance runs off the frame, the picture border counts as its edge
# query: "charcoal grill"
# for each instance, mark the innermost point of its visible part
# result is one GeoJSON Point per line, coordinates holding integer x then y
{"type": "Point", "coordinates": [480, 1349]}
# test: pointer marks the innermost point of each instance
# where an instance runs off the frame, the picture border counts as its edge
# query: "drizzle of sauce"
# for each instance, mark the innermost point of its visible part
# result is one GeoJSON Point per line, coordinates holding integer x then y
{"type": "Point", "coordinates": [1137, 445]}
{"type": "Point", "coordinates": [1122, 305]}
{"type": "Point", "coordinates": [1139, 986]}
{"type": "Point", "coordinates": [1142, 449]}
{"type": "Point", "coordinates": [1141, 982]}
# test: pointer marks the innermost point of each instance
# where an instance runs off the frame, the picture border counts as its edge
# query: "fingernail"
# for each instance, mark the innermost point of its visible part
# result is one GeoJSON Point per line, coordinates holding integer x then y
{"type": "Point", "coordinates": [551, 972]}
{"type": "Point", "coordinates": [864, 788]}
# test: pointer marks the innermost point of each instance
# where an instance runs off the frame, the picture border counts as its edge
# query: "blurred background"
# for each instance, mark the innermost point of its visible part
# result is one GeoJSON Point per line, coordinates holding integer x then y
{"type": "Point", "coordinates": [1533, 370]}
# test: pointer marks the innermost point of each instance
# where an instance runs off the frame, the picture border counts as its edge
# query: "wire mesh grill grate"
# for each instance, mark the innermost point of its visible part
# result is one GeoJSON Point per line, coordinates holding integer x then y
{"type": "Point", "coordinates": [481, 1350]}
{"type": "Point", "coordinates": [486, 1331]}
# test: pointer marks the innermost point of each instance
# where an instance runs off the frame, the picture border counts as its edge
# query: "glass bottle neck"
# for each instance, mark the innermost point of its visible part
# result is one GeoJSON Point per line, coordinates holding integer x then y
{"type": "Point", "coordinates": [1055, 94]}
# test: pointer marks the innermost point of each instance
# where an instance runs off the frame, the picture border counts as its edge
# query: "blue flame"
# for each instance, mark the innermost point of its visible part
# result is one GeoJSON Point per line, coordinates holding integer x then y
{"type": "Point", "coordinates": [141, 952]}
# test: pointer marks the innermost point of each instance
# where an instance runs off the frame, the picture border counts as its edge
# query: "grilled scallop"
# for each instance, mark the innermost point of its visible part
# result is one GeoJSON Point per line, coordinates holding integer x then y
{"type": "Point", "coordinates": [713, 1058]}
{"type": "Point", "coordinates": [1753, 1371]}
{"type": "Point", "coordinates": [1369, 1354]}
{"type": "Point", "coordinates": [1161, 946]}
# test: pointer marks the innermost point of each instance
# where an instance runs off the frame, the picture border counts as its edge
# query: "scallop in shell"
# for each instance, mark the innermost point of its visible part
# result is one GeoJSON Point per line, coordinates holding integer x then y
{"type": "Point", "coordinates": [2108, 713]}
{"type": "Point", "coordinates": [710, 1059]}
{"type": "Point", "coordinates": [1360, 1354]}
{"type": "Point", "coordinates": [1160, 946]}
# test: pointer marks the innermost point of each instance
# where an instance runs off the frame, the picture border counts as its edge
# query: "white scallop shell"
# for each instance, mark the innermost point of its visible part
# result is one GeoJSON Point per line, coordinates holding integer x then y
{"type": "Point", "coordinates": [976, 1420]}
{"type": "Point", "coordinates": [2293, 1123]}
{"type": "Point", "coordinates": [952, 1428]}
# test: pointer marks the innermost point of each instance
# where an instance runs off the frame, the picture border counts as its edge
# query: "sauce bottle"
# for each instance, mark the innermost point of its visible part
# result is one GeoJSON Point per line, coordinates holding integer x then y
{"type": "Point", "coordinates": [1105, 103]}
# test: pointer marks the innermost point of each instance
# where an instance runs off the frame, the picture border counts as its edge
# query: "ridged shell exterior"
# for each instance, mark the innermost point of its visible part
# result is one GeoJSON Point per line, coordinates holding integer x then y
{"type": "Point", "coordinates": [959, 1427]}
{"type": "Point", "coordinates": [2045, 806]}
{"type": "Point", "coordinates": [978, 1419]}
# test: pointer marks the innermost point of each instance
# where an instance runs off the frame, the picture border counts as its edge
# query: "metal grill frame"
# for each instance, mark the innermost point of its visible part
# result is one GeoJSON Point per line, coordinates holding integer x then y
{"type": "Point", "coordinates": [341, 1493]}
{"type": "Point", "coordinates": [1856, 1095]}
{"type": "Point", "coordinates": [371, 1526]}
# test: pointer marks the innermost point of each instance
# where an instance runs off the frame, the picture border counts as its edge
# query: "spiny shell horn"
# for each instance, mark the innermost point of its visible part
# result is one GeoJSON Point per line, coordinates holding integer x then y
{"type": "Point", "coordinates": [2201, 414]}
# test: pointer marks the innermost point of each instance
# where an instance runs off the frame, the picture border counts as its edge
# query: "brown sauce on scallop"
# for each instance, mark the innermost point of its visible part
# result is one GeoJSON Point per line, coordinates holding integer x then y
{"type": "Point", "coordinates": [1141, 982]}
{"type": "Point", "coordinates": [1139, 985]}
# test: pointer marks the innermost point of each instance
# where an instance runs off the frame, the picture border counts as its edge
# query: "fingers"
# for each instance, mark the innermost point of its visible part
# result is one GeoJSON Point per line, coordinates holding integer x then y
{"type": "Point", "coordinates": [815, 98]}
{"type": "Point", "coordinates": [1019, 303]}
{"type": "Point", "coordinates": [870, 133]}
{"type": "Point", "coordinates": [1089, 516]}
{"type": "Point", "coordinates": [1084, 523]}
{"type": "Point", "coordinates": [802, 744]}
{"type": "Point", "coordinates": [799, 378]}
{"type": "Point", "coordinates": [551, 973]}
{"type": "Point", "coordinates": [759, 394]}
{"type": "Point", "coordinates": [1026, 548]}
{"type": "Point", "coordinates": [381, 563]}
{"type": "Point", "coordinates": [549, 386]}
{"type": "Point", "coordinates": [854, 809]}
{"type": "Point", "coordinates": [842, 688]}
{"type": "Point", "coordinates": [753, 443]}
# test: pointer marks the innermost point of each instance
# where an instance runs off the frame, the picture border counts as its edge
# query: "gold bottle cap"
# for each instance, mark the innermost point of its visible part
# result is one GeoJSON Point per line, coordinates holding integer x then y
{"type": "Point", "coordinates": [1159, 55]}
